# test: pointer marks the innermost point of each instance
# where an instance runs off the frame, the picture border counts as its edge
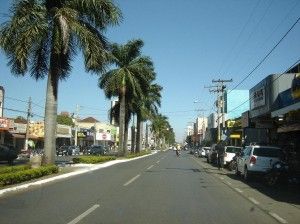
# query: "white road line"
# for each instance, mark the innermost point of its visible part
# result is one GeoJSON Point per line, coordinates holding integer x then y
{"type": "Point", "coordinates": [238, 190]}
{"type": "Point", "coordinates": [228, 183]}
{"type": "Point", "coordinates": [87, 212]}
{"type": "Point", "coordinates": [222, 178]}
{"type": "Point", "coordinates": [278, 218]}
{"type": "Point", "coordinates": [157, 162]}
{"type": "Point", "coordinates": [150, 167]}
{"type": "Point", "coordinates": [253, 200]}
{"type": "Point", "coordinates": [131, 180]}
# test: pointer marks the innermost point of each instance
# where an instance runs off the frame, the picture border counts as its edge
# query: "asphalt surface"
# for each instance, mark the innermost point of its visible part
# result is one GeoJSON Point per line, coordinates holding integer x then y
{"type": "Point", "coordinates": [161, 188]}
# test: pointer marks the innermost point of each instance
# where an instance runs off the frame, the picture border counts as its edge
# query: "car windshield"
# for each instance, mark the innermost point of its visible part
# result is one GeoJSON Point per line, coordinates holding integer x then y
{"type": "Point", "coordinates": [266, 152]}
{"type": "Point", "coordinates": [231, 149]}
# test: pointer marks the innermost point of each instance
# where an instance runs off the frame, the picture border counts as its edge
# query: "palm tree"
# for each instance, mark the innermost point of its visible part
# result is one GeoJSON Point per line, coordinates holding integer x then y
{"type": "Point", "coordinates": [42, 37]}
{"type": "Point", "coordinates": [159, 127]}
{"type": "Point", "coordinates": [146, 108]}
{"type": "Point", "coordinates": [130, 76]}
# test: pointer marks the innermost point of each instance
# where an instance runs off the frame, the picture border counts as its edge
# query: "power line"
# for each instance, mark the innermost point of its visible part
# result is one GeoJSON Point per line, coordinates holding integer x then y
{"type": "Point", "coordinates": [262, 61]}
{"type": "Point", "coordinates": [250, 98]}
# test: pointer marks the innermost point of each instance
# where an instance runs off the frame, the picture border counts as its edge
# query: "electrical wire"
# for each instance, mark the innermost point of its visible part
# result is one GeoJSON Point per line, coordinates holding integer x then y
{"type": "Point", "coordinates": [264, 58]}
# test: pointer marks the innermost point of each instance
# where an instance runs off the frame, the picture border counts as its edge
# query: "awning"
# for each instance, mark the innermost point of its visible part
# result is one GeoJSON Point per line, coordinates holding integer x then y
{"type": "Point", "coordinates": [285, 110]}
{"type": "Point", "coordinates": [238, 136]}
{"type": "Point", "coordinates": [289, 128]}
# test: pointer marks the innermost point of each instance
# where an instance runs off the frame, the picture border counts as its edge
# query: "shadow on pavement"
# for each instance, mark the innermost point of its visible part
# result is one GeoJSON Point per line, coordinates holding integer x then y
{"type": "Point", "coordinates": [289, 193]}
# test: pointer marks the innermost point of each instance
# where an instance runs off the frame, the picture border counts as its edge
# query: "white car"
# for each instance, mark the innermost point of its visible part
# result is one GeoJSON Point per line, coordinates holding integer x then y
{"type": "Point", "coordinates": [256, 159]}
{"type": "Point", "coordinates": [230, 152]}
{"type": "Point", "coordinates": [206, 149]}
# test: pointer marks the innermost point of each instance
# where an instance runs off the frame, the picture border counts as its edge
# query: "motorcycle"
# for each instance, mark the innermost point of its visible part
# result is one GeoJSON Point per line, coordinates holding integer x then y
{"type": "Point", "coordinates": [278, 172]}
{"type": "Point", "coordinates": [233, 163]}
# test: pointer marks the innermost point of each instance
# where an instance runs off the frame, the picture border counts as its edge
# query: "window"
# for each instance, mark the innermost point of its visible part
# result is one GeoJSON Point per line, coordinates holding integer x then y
{"type": "Point", "coordinates": [266, 152]}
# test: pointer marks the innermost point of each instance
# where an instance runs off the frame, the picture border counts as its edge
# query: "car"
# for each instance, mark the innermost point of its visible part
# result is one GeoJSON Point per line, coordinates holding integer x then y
{"type": "Point", "coordinates": [206, 151]}
{"type": "Point", "coordinates": [97, 150]}
{"type": "Point", "coordinates": [256, 159]}
{"type": "Point", "coordinates": [8, 153]}
{"type": "Point", "coordinates": [230, 152]}
{"type": "Point", "coordinates": [73, 150]}
{"type": "Point", "coordinates": [212, 155]}
{"type": "Point", "coordinates": [201, 152]}
{"type": "Point", "coordinates": [62, 150]}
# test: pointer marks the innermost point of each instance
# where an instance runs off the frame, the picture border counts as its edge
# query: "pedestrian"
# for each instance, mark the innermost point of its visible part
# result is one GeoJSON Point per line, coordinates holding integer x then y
{"type": "Point", "coordinates": [220, 153]}
{"type": "Point", "coordinates": [177, 149]}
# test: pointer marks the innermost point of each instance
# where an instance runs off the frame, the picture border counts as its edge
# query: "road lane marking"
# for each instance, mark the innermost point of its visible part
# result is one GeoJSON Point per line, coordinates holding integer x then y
{"type": "Point", "coordinates": [150, 167]}
{"type": "Point", "coordinates": [253, 200]}
{"type": "Point", "coordinates": [131, 180]}
{"type": "Point", "coordinates": [278, 218]}
{"type": "Point", "coordinates": [238, 190]}
{"type": "Point", "coordinates": [87, 212]}
{"type": "Point", "coordinates": [157, 162]}
{"type": "Point", "coordinates": [222, 178]}
{"type": "Point", "coordinates": [228, 183]}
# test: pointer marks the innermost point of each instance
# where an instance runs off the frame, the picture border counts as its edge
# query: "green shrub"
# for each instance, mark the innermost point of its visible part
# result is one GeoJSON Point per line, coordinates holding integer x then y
{"type": "Point", "coordinates": [93, 159]}
{"type": "Point", "coordinates": [141, 153]}
{"type": "Point", "coordinates": [10, 169]}
{"type": "Point", "coordinates": [28, 174]}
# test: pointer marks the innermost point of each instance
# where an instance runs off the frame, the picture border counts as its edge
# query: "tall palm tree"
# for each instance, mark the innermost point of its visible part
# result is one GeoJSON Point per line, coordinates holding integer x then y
{"type": "Point", "coordinates": [130, 75]}
{"type": "Point", "coordinates": [146, 108]}
{"type": "Point", "coordinates": [42, 37]}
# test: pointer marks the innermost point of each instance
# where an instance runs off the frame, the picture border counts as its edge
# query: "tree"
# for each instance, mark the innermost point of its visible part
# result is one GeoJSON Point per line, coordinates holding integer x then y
{"type": "Point", "coordinates": [65, 119]}
{"type": "Point", "coordinates": [20, 119]}
{"type": "Point", "coordinates": [42, 37]}
{"type": "Point", "coordinates": [161, 129]}
{"type": "Point", "coordinates": [146, 108]}
{"type": "Point", "coordinates": [129, 77]}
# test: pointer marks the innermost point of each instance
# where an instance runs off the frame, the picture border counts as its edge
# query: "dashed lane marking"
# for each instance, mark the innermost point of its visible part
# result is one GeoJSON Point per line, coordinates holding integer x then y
{"type": "Point", "coordinates": [278, 218]}
{"type": "Point", "coordinates": [131, 180]}
{"type": "Point", "coordinates": [238, 190]}
{"type": "Point", "coordinates": [253, 200]}
{"type": "Point", "coordinates": [86, 213]}
{"type": "Point", "coordinates": [150, 167]}
{"type": "Point", "coordinates": [158, 162]}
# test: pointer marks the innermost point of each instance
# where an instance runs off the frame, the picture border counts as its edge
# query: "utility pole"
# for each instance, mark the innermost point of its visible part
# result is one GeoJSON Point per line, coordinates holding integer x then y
{"type": "Point", "coordinates": [220, 88]}
{"type": "Point", "coordinates": [28, 122]}
{"type": "Point", "coordinates": [76, 117]}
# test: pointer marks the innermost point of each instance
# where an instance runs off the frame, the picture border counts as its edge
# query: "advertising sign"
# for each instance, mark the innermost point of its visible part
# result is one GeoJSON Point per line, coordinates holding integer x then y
{"type": "Point", "coordinates": [103, 136]}
{"type": "Point", "coordinates": [258, 98]}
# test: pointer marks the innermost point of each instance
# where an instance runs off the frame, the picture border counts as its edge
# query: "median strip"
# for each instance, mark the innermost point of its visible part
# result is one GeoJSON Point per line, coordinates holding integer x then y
{"type": "Point", "coordinates": [131, 180]}
{"type": "Point", "coordinates": [86, 213]}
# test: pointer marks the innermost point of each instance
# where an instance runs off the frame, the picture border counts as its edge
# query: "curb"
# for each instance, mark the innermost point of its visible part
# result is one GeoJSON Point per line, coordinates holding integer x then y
{"type": "Point", "coordinates": [87, 168]}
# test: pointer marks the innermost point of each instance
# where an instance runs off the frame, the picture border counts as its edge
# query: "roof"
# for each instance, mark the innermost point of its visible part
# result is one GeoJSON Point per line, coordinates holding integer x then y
{"type": "Point", "coordinates": [89, 120]}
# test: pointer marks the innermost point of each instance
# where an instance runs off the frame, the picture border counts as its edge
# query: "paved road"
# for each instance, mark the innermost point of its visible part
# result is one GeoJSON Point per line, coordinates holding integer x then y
{"type": "Point", "coordinates": [157, 189]}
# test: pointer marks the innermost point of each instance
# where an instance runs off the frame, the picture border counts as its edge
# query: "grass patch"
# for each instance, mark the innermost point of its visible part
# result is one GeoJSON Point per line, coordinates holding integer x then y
{"type": "Point", "coordinates": [142, 153]}
{"type": "Point", "coordinates": [93, 159]}
{"type": "Point", "coordinates": [27, 174]}
{"type": "Point", "coordinates": [10, 169]}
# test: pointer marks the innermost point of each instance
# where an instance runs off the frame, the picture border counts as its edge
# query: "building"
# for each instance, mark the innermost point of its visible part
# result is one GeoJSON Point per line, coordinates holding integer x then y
{"type": "Point", "coordinates": [200, 129]}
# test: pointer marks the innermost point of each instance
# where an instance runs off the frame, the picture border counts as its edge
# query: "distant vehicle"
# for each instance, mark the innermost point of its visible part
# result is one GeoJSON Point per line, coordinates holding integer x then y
{"type": "Point", "coordinates": [230, 152]}
{"type": "Point", "coordinates": [206, 150]}
{"type": "Point", "coordinates": [97, 150]}
{"type": "Point", "coordinates": [8, 153]}
{"type": "Point", "coordinates": [73, 150]}
{"type": "Point", "coordinates": [212, 155]}
{"type": "Point", "coordinates": [201, 152]}
{"type": "Point", "coordinates": [62, 150]}
{"type": "Point", "coordinates": [257, 159]}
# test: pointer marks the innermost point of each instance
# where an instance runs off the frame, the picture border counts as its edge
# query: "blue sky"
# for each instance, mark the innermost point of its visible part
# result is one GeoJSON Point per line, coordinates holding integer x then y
{"type": "Point", "coordinates": [190, 41]}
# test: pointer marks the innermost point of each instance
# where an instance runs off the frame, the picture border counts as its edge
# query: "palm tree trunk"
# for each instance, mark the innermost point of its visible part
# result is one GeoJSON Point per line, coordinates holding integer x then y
{"type": "Point", "coordinates": [139, 125]}
{"type": "Point", "coordinates": [122, 123]}
{"type": "Point", "coordinates": [132, 138]}
{"type": "Point", "coordinates": [125, 137]}
{"type": "Point", "coordinates": [50, 119]}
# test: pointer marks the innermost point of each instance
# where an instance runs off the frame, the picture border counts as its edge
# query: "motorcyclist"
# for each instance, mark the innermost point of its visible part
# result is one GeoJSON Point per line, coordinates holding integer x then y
{"type": "Point", "coordinates": [177, 149]}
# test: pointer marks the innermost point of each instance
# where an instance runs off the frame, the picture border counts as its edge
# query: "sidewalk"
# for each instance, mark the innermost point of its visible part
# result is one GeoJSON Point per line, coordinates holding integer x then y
{"type": "Point", "coordinates": [281, 202]}
{"type": "Point", "coordinates": [66, 171]}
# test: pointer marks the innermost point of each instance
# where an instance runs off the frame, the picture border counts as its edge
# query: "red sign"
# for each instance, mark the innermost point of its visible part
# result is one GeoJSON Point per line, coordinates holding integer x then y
{"type": "Point", "coordinates": [104, 136]}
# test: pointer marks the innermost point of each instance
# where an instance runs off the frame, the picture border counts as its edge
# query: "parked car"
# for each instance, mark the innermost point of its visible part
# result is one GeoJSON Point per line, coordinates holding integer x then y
{"type": "Point", "coordinates": [73, 150]}
{"type": "Point", "coordinates": [62, 150]}
{"type": "Point", "coordinates": [230, 152]}
{"type": "Point", "coordinates": [212, 155]}
{"type": "Point", "coordinates": [97, 150]}
{"type": "Point", "coordinates": [207, 149]}
{"type": "Point", "coordinates": [201, 152]}
{"type": "Point", "coordinates": [257, 159]}
{"type": "Point", "coordinates": [8, 153]}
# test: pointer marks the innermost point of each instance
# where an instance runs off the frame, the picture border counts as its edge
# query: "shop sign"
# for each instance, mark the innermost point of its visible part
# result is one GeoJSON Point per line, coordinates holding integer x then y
{"type": "Point", "coordinates": [81, 134]}
{"type": "Point", "coordinates": [296, 86]}
{"type": "Point", "coordinates": [19, 128]}
{"type": "Point", "coordinates": [103, 136]}
{"type": "Point", "coordinates": [4, 124]}
{"type": "Point", "coordinates": [258, 98]}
